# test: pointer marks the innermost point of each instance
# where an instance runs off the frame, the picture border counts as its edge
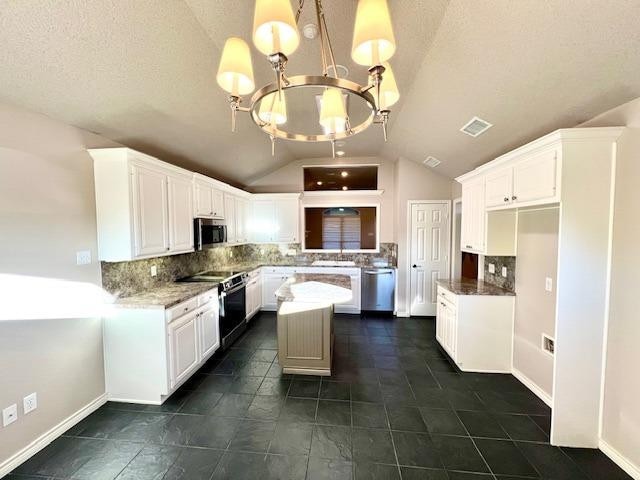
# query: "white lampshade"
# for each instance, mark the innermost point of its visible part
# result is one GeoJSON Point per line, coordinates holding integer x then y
{"type": "Point", "coordinates": [389, 94]}
{"type": "Point", "coordinates": [273, 109]}
{"type": "Point", "coordinates": [235, 73]}
{"type": "Point", "coordinates": [373, 39]}
{"type": "Point", "coordinates": [274, 27]}
{"type": "Point", "coordinates": [333, 114]}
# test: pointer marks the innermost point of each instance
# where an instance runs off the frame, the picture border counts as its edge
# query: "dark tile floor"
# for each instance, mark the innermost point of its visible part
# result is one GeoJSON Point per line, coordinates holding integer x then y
{"type": "Point", "coordinates": [394, 408]}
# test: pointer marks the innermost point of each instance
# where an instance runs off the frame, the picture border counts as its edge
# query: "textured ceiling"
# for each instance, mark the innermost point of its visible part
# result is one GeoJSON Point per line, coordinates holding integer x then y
{"type": "Point", "coordinates": [142, 72]}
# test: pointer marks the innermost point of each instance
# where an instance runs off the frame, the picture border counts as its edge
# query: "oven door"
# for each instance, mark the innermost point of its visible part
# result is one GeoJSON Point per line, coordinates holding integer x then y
{"type": "Point", "coordinates": [233, 311]}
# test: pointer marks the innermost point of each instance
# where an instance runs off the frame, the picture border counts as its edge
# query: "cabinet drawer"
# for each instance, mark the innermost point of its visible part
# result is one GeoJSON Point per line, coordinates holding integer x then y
{"type": "Point", "coordinates": [207, 297]}
{"type": "Point", "coordinates": [181, 309]}
{"type": "Point", "coordinates": [445, 294]}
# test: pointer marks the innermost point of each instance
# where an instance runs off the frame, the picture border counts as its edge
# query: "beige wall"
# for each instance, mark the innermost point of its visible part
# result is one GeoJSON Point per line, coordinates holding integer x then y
{"type": "Point", "coordinates": [413, 182]}
{"type": "Point", "coordinates": [47, 213]}
{"type": "Point", "coordinates": [290, 179]}
{"type": "Point", "coordinates": [535, 308]}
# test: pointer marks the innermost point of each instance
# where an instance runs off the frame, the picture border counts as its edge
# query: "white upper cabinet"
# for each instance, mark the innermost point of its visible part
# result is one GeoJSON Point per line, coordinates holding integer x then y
{"type": "Point", "coordinates": [230, 217]}
{"type": "Point", "coordinates": [150, 211]}
{"type": "Point", "coordinates": [144, 207]}
{"type": "Point", "coordinates": [275, 218]}
{"type": "Point", "coordinates": [535, 178]}
{"type": "Point", "coordinates": [180, 213]}
{"type": "Point", "coordinates": [472, 232]}
{"type": "Point", "coordinates": [499, 187]}
{"type": "Point", "coordinates": [209, 199]}
{"type": "Point", "coordinates": [241, 220]}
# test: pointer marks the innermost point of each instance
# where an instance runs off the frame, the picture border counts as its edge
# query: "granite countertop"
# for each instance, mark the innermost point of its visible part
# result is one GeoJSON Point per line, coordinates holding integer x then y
{"type": "Point", "coordinates": [316, 288]}
{"type": "Point", "coordinates": [165, 296]}
{"type": "Point", "coordinates": [248, 267]}
{"type": "Point", "coordinates": [466, 286]}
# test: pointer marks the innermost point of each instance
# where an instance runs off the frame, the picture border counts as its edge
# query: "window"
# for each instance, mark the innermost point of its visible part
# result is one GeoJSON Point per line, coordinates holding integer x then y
{"type": "Point", "coordinates": [363, 177]}
{"type": "Point", "coordinates": [341, 228]}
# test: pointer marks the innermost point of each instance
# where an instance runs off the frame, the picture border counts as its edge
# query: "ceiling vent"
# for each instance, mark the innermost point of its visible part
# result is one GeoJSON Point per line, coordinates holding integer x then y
{"type": "Point", "coordinates": [431, 162]}
{"type": "Point", "coordinates": [476, 126]}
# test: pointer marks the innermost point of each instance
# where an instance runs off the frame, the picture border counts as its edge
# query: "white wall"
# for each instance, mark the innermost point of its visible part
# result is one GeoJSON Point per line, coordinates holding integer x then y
{"type": "Point", "coordinates": [621, 410]}
{"type": "Point", "coordinates": [535, 308]}
{"type": "Point", "coordinates": [47, 213]}
{"type": "Point", "coordinates": [413, 182]}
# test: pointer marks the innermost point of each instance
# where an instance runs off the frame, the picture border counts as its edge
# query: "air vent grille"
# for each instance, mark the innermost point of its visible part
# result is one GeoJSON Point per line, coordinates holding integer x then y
{"type": "Point", "coordinates": [476, 126]}
{"type": "Point", "coordinates": [431, 162]}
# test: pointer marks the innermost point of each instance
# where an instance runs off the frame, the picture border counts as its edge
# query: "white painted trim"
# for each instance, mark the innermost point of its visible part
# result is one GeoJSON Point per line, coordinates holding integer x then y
{"type": "Point", "coordinates": [138, 401]}
{"type": "Point", "coordinates": [530, 384]}
{"type": "Point", "coordinates": [607, 300]}
{"type": "Point", "coordinates": [46, 438]}
{"type": "Point", "coordinates": [454, 232]}
{"type": "Point", "coordinates": [410, 203]}
{"type": "Point", "coordinates": [402, 314]}
{"type": "Point", "coordinates": [623, 462]}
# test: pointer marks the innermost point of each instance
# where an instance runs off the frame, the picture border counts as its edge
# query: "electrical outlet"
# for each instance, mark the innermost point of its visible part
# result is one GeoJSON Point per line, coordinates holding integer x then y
{"type": "Point", "coordinates": [504, 271]}
{"type": "Point", "coordinates": [30, 402]}
{"type": "Point", "coordinates": [83, 257]}
{"type": "Point", "coordinates": [492, 268]}
{"type": "Point", "coordinates": [548, 284]}
{"type": "Point", "coordinates": [9, 415]}
{"type": "Point", "coordinates": [154, 270]}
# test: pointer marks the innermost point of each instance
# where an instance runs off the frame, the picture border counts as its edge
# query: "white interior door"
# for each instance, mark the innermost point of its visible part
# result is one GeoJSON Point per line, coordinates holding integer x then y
{"type": "Point", "coordinates": [429, 254]}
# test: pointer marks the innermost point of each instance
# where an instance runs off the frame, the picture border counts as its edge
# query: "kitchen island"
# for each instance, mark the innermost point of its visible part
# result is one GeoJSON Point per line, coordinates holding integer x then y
{"type": "Point", "coordinates": [305, 321]}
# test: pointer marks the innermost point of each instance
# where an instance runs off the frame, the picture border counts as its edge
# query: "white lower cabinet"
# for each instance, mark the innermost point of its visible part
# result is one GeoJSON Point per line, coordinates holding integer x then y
{"type": "Point", "coordinates": [150, 352]}
{"type": "Point", "coordinates": [272, 280]}
{"type": "Point", "coordinates": [476, 330]}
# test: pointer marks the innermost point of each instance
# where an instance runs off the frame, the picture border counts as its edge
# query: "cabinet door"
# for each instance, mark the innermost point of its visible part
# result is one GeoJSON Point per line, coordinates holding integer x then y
{"type": "Point", "coordinates": [180, 214]}
{"type": "Point", "coordinates": [535, 178]}
{"type": "Point", "coordinates": [499, 187]}
{"type": "Point", "coordinates": [150, 211]}
{"type": "Point", "coordinates": [209, 330]}
{"type": "Point", "coordinates": [217, 204]}
{"type": "Point", "coordinates": [230, 217]}
{"type": "Point", "coordinates": [271, 283]}
{"type": "Point", "coordinates": [204, 205]}
{"type": "Point", "coordinates": [241, 220]}
{"type": "Point", "coordinates": [286, 221]}
{"type": "Point", "coordinates": [473, 217]}
{"type": "Point", "coordinates": [263, 221]}
{"type": "Point", "coordinates": [440, 321]}
{"type": "Point", "coordinates": [183, 347]}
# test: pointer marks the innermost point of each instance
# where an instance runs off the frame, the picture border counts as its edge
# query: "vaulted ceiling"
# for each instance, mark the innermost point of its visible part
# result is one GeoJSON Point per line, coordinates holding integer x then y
{"type": "Point", "coordinates": [142, 73]}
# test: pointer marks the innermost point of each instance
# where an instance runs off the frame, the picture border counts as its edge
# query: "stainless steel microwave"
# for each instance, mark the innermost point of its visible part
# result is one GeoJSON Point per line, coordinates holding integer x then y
{"type": "Point", "coordinates": [208, 233]}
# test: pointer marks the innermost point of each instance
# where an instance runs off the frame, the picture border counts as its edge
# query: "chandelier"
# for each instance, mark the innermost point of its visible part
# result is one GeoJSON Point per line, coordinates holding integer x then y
{"type": "Point", "coordinates": [276, 35]}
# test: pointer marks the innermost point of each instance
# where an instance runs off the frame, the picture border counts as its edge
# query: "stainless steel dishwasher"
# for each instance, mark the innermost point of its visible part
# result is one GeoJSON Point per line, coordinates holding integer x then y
{"type": "Point", "coordinates": [378, 289]}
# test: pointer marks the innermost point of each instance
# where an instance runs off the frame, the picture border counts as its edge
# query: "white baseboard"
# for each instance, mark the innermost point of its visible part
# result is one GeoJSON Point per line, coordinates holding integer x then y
{"type": "Point", "coordinates": [46, 438]}
{"type": "Point", "coordinates": [403, 314]}
{"type": "Point", "coordinates": [623, 462]}
{"type": "Point", "coordinates": [531, 385]}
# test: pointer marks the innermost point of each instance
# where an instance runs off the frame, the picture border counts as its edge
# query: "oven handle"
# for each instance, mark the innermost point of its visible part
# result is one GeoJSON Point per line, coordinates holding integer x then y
{"type": "Point", "coordinates": [234, 290]}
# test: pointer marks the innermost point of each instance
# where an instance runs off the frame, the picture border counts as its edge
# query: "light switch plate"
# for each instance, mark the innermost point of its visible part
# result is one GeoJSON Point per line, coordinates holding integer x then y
{"type": "Point", "coordinates": [30, 402]}
{"type": "Point", "coordinates": [492, 268]}
{"type": "Point", "coordinates": [504, 271]}
{"type": "Point", "coordinates": [154, 270]}
{"type": "Point", "coordinates": [83, 257]}
{"type": "Point", "coordinates": [548, 284]}
{"type": "Point", "coordinates": [9, 415]}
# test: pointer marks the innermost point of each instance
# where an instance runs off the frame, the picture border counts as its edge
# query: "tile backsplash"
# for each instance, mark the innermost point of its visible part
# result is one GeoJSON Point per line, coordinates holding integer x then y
{"type": "Point", "coordinates": [126, 278]}
{"type": "Point", "coordinates": [508, 282]}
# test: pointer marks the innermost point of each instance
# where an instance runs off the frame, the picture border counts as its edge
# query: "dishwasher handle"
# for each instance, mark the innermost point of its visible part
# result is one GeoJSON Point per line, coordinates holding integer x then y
{"type": "Point", "coordinates": [379, 272]}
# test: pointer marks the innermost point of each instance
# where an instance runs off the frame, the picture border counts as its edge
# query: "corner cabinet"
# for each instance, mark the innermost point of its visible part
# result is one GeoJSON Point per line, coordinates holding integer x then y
{"type": "Point", "coordinates": [144, 207]}
{"type": "Point", "coordinates": [275, 218]}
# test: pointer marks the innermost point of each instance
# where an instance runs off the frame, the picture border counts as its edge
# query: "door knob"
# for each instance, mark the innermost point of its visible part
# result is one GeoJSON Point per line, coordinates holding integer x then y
{"type": "Point", "coordinates": [415, 266]}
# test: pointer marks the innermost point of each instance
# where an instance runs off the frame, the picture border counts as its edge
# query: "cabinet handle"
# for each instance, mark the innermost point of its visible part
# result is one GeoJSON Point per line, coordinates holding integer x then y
{"type": "Point", "coordinates": [506, 199]}
{"type": "Point", "coordinates": [514, 198]}
{"type": "Point", "coordinates": [469, 246]}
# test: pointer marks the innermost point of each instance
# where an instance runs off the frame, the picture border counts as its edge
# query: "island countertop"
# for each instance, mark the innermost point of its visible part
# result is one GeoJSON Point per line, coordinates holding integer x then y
{"type": "Point", "coordinates": [466, 286]}
{"type": "Point", "coordinates": [316, 288]}
{"type": "Point", "coordinates": [164, 296]}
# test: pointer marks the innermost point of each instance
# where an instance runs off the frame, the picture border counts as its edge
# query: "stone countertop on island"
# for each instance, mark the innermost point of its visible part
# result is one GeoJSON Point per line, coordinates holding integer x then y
{"type": "Point", "coordinates": [316, 288]}
{"type": "Point", "coordinates": [164, 296]}
{"type": "Point", "coordinates": [467, 286]}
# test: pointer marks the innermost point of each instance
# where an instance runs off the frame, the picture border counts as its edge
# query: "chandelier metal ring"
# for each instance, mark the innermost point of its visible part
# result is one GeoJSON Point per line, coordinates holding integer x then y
{"type": "Point", "coordinates": [303, 81]}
